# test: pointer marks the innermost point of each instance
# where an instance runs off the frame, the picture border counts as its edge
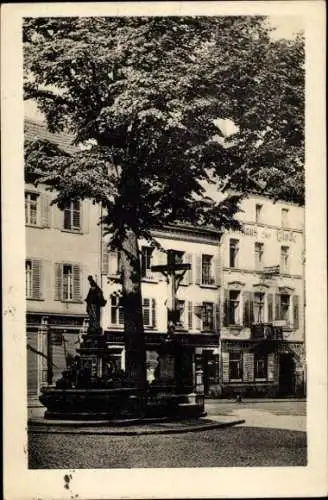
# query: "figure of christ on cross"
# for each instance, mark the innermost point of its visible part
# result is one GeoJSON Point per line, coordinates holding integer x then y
{"type": "Point", "coordinates": [170, 270]}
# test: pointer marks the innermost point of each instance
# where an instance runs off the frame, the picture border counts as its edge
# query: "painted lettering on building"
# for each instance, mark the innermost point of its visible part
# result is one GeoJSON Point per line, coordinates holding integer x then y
{"type": "Point", "coordinates": [260, 233]}
{"type": "Point", "coordinates": [286, 236]}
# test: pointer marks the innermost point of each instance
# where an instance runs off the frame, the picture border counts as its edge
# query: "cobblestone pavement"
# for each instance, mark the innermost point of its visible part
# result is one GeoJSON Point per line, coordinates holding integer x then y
{"type": "Point", "coordinates": [232, 447]}
{"type": "Point", "coordinates": [271, 436]}
{"type": "Point", "coordinates": [277, 414]}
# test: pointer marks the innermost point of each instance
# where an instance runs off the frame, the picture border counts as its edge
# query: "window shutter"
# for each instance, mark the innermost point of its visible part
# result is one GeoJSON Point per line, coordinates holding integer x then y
{"type": "Point", "coordinates": [198, 316]}
{"type": "Point", "coordinates": [58, 217]}
{"type": "Point", "coordinates": [217, 270]}
{"type": "Point", "coordinates": [153, 312]}
{"type": "Point", "coordinates": [36, 279]}
{"type": "Point", "coordinates": [190, 272]}
{"type": "Point", "coordinates": [76, 282]}
{"type": "Point", "coordinates": [45, 210]}
{"type": "Point", "coordinates": [187, 275]}
{"type": "Point", "coordinates": [190, 322]}
{"type": "Point", "coordinates": [277, 304]}
{"type": "Point", "coordinates": [67, 218]}
{"type": "Point", "coordinates": [248, 309]}
{"type": "Point", "coordinates": [271, 367]}
{"type": "Point", "coordinates": [226, 308]}
{"type": "Point", "coordinates": [104, 258]}
{"type": "Point", "coordinates": [85, 215]}
{"type": "Point", "coordinates": [112, 259]}
{"type": "Point", "coordinates": [58, 281]}
{"type": "Point", "coordinates": [214, 317]}
{"type": "Point", "coordinates": [217, 316]}
{"type": "Point", "coordinates": [296, 312]}
{"type": "Point", "coordinates": [248, 367]}
{"type": "Point", "coordinates": [198, 269]}
{"type": "Point", "coordinates": [225, 367]}
{"type": "Point", "coordinates": [270, 307]}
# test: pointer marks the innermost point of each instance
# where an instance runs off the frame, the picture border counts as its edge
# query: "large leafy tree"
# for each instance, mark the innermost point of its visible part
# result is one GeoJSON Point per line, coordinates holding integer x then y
{"type": "Point", "coordinates": [144, 95]}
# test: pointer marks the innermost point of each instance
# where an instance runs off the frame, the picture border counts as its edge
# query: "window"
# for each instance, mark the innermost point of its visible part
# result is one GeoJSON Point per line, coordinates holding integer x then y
{"type": "Point", "coordinates": [261, 367]}
{"type": "Point", "coordinates": [72, 216]}
{"type": "Point", "coordinates": [207, 270]}
{"type": "Point", "coordinates": [146, 253]}
{"type": "Point", "coordinates": [284, 217]}
{"type": "Point", "coordinates": [234, 308]}
{"type": "Point", "coordinates": [116, 311]}
{"type": "Point", "coordinates": [259, 250]}
{"type": "Point", "coordinates": [284, 259]}
{"type": "Point", "coordinates": [235, 366]}
{"type": "Point", "coordinates": [258, 307]}
{"type": "Point", "coordinates": [31, 209]}
{"type": "Point", "coordinates": [258, 213]}
{"type": "Point", "coordinates": [180, 313]}
{"type": "Point", "coordinates": [68, 282]}
{"type": "Point", "coordinates": [233, 253]}
{"type": "Point", "coordinates": [149, 312]}
{"type": "Point", "coordinates": [33, 279]}
{"type": "Point", "coordinates": [284, 307]}
{"type": "Point", "coordinates": [28, 278]}
{"type": "Point", "coordinates": [208, 316]}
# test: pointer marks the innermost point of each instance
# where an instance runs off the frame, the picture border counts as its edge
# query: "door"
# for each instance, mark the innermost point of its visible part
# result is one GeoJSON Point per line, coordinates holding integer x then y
{"type": "Point", "coordinates": [210, 364]}
{"type": "Point", "coordinates": [286, 375]}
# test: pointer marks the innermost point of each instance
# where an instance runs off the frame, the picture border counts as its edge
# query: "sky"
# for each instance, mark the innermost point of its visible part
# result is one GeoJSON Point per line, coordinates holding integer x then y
{"type": "Point", "coordinates": [286, 27]}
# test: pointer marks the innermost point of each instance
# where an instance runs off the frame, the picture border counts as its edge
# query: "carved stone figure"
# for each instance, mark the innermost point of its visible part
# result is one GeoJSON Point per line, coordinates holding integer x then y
{"type": "Point", "coordinates": [95, 301]}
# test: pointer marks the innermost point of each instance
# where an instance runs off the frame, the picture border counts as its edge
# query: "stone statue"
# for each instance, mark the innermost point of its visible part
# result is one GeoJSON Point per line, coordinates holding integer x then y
{"type": "Point", "coordinates": [95, 300]}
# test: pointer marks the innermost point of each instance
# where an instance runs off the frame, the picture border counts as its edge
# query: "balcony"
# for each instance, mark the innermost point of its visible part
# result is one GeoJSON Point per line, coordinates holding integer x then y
{"type": "Point", "coordinates": [266, 331]}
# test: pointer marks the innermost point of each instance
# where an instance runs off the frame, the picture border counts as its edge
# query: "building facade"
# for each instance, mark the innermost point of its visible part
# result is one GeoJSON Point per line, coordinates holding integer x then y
{"type": "Point", "coordinates": [240, 307]}
{"type": "Point", "coordinates": [197, 298]}
{"type": "Point", "coordinates": [62, 249]}
{"type": "Point", "coordinates": [262, 331]}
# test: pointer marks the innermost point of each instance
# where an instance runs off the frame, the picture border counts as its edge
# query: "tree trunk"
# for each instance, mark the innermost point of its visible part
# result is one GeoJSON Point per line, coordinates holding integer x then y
{"type": "Point", "coordinates": [135, 353]}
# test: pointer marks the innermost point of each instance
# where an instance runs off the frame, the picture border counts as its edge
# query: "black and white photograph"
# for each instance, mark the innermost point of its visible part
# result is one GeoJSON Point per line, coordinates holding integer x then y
{"type": "Point", "coordinates": [164, 214]}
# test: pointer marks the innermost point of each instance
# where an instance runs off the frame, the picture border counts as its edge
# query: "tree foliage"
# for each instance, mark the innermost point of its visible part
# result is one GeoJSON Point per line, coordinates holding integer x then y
{"type": "Point", "coordinates": [147, 91]}
{"type": "Point", "coordinates": [144, 94]}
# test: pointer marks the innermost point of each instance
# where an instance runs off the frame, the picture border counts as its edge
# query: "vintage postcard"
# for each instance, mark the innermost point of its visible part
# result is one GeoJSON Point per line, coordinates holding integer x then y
{"type": "Point", "coordinates": [164, 269]}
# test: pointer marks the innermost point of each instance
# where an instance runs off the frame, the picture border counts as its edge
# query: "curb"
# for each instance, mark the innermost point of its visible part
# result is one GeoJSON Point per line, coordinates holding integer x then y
{"type": "Point", "coordinates": [255, 400]}
{"type": "Point", "coordinates": [136, 432]}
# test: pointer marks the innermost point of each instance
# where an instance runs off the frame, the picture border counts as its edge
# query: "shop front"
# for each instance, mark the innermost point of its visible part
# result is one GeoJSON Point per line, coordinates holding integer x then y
{"type": "Point", "coordinates": [195, 363]}
{"type": "Point", "coordinates": [262, 368]}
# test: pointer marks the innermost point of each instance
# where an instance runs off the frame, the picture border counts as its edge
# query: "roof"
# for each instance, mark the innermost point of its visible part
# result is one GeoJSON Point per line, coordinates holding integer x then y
{"type": "Point", "coordinates": [34, 130]}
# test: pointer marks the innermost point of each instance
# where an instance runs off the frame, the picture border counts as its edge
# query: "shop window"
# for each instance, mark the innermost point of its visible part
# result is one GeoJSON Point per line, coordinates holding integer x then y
{"type": "Point", "coordinates": [235, 366]}
{"type": "Point", "coordinates": [233, 253]}
{"type": "Point", "coordinates": [32, 209]}
{"type": "Point", "coordinates": [284, 259]}
{"type": "Point", "coordinates": [259, 251]}
{"type": "Point", "coordinates": [207, 270]}
{"type": "Point", "coordinates": [72, 216]}
{"type": "Point", "coordinates": [284, 217]}
{"type": "Point", "coordinates": [261, 367]}
{"type": "Point", "coordinates": [234, 308]}
{"type": "Point", "coordinates": [146, 255]}
{"type": "Point", "coordinates": [258, 213]}
{"type": "Point", "coordinates": [258, 307]}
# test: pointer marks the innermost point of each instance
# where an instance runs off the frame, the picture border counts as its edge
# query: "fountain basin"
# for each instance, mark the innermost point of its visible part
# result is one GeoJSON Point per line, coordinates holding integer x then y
{"type": "Point", "coordinates": [118, 403]}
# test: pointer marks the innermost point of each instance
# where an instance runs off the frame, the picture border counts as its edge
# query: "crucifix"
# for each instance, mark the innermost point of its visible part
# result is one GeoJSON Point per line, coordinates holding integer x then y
{"type": "Point", "coordinates": [174, 272]}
